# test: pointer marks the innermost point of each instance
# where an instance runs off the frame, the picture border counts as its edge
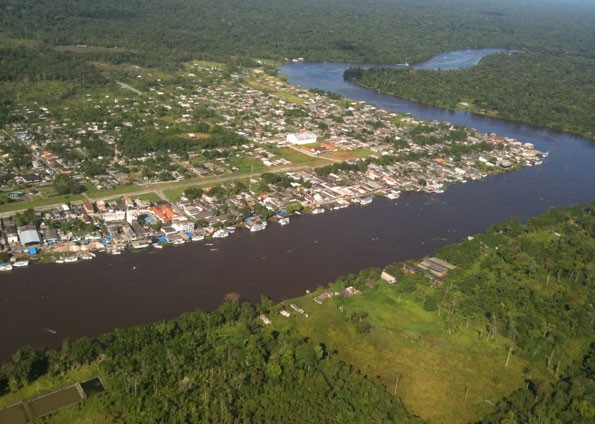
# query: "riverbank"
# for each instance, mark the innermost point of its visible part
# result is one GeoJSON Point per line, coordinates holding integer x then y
{"type": "Point", "coordinates": [368, 150]}
{"type": "Point", "coordinates": [120, 291]}
{"type": "Point", "coordinates": [557, 90]}
{"type": "Point", "coordinates": [413, 325]}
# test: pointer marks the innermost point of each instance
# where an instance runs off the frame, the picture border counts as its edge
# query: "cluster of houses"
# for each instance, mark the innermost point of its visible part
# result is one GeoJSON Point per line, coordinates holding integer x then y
{"type": "Point", "coordinates": [275, 117]}
{"type": "Point", "coordinates": [268, 112]}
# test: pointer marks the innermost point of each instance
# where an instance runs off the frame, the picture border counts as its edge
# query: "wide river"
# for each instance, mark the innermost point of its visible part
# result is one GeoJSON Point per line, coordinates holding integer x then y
{"type": "Point", "coordinates": [47, 303]}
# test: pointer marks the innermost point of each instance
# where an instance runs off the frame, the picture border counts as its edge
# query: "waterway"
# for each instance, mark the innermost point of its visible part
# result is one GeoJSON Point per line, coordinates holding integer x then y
{"type": "Point", "coordinates": [47, 303]}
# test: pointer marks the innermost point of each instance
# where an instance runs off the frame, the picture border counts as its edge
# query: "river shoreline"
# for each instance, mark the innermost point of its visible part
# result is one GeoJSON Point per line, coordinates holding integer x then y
{"type": "Point", "coordinates": [110, 292]}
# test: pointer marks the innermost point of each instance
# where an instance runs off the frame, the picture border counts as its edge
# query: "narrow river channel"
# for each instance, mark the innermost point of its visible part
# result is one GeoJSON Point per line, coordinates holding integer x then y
{"type": "Point", "coordinates": [47, 303]}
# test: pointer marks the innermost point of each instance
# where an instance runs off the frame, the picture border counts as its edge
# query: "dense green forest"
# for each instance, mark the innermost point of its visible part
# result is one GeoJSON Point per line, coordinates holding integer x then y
{"type": "Point", "coordinates": [167, 32]}
{"type": "Point", "coordinates": [222, 367]}
{"type": "Point", "coordinates": [550, 91]}
{"type": "Point", "coordinates": [522, 295]}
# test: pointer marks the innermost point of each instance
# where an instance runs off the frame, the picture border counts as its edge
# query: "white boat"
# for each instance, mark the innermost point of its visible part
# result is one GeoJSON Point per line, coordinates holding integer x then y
{"type": "Point", "coordinates": [284, 221]}
{"type": "Point", "coordinates": [220, 234]}
{"type": "Point", "coordinates": [60, 260]}
{"type": "Point", "coordinates": [393, 195]}
{"type": "Point", "coordinates": [5, 267]}
{"type": "Point", "coordinates": [21, 264]}
{"type": "Point", "coordinates": [158, 246]}
{"type": "Point", "coordinates": [86, 257]}
{"type": "Point", "coordinates": [258, 227]}
{"type": "Point", "coordinates": [366, 201]}
{"type": "Point", "coordinates": [439, 191]}
{"type": "Point", "coordinates": [70, 259]}
{"type": "Point", "coordinates": [318, 210]}
{"type": "Point", "coordinates": [198, 238]}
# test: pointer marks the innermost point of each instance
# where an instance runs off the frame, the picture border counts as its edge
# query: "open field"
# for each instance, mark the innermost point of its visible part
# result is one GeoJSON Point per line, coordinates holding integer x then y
{"type": "Point", "coordinates": [47, 384]}
{"type": "Point", "coordinates": [48, 201]}
{"type": "Point", "coordinates": [437, 368]}
{"type": "Point", "coordinates": [298, 158]}
{"type": "Point", "coordinates": [348, 154]}
{"type": "Point", "coordinates": [280, 94]}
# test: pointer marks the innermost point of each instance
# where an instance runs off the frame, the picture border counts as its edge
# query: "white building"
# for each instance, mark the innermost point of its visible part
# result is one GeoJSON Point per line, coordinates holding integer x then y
{"type": "Point", "coordinates": [305, 137]}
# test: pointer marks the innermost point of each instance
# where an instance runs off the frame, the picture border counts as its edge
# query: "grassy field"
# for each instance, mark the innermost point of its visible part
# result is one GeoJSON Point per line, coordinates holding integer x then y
{"type": "Point", "coordinates": [47, 384]}
{"type": "Point", "coordinates": [437, 368]}
{"type": "Point", "coordinates": [280, 94]}
{"type": "Point", "coordinates": [10, 207]}
{"type": "Point", "coordinates": [349, 154]}
{"type": "Point", "coordinates": [91, 411]}
{"type": "Point", "coordinates": [246, 164]}
{"type": "Point", "coordinates": [153, 197]}
{"type": "Point", "coordinates": [300, 159]}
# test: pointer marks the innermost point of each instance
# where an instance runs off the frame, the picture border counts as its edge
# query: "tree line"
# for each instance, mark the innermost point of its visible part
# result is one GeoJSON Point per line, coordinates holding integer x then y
{"type": "Point", "coordinates": [545, 90]}
{"type": "Point", "coordinates": [529, 284]}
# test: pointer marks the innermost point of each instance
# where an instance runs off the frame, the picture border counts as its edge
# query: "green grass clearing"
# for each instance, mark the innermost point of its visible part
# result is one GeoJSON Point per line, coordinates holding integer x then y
{"type": "Point", "coordinates": [436, 367]}
{"type": "Point", "coordinates": [11, 207]}
{"type": "Point", "coordinates": [280, 94]}
{"type": "Point", "coordinates": [301, 159]}
{"type": "Point", "coordinates": [153, 197]}
{"type": "Point", "coordinates": [47, 384]}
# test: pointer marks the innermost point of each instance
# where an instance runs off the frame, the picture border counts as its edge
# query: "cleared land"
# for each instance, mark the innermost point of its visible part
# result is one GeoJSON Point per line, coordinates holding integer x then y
{"type": "Point", "coordinates": [436, 367]}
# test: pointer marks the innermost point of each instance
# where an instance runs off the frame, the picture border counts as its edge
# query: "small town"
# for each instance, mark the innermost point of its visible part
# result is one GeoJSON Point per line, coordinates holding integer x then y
{"type": "Point", "coordinates": [199, 155]}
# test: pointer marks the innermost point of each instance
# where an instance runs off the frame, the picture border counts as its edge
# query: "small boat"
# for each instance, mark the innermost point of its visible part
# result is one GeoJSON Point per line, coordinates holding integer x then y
{"type": "Point", "coordinates": [393, 195]}
{"type": "Point", "coordinates": [258, 227]}
{"type": "Point", "coordinates": [158, 246]}
{"type": "Point", "coordinates": [220, 234]}
{"type": "Point", "coordinates": [366, 201]}
{"type": "Point", "coordinates": [70, 259]}
{"type": "Point", "coordinates": [5, 267]}
{"type": "Point", "coordinates": [284, 221]}
{"type": "Point", "coordinates": [318, 210]}
{"type": "Point", "coordinates": [21, 264]}
{"type": "Point", "coordinates": [86, 257]}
